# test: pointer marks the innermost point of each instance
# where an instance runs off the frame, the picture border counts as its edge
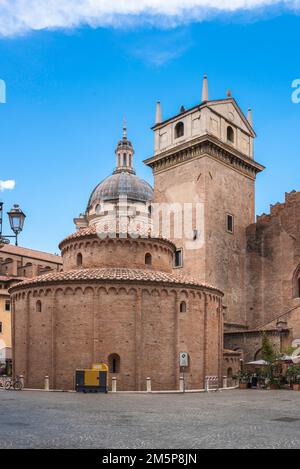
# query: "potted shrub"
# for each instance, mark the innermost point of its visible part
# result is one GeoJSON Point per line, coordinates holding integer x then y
{"type": "Point", "coordinates": [270, 355]}
{"type": "Point", "coordinates": [243, 377]}
{"type": "Point", "coordinates": [293, 374]}
{"type": "Point", "coordinates": [273, 383]}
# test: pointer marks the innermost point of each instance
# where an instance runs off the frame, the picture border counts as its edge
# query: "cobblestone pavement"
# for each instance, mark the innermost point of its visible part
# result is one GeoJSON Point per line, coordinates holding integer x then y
{"type": "Point", "coordinates": [228, 419]}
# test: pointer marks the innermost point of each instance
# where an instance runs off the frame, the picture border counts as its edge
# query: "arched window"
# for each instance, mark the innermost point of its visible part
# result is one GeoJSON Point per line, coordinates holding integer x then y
{"type": "Point", "coordinates": [38, 306]}
{"type": "Point", "coordinates": [148, 259]}
{"type": "Point", "coordinates": [179, 130]}
{"type": "Point", "coordinates": [79, 260]}
{"type": "Point", "coordinates": [124, 159]}
{"type": "Point", "coordinates": [114, 363]}
{"type": "Point", "coordinates": [183, 307]}
{"type": "Point", "coordinates": [257, 355]}
{"type": "Point", "coordinates": [230, 134]}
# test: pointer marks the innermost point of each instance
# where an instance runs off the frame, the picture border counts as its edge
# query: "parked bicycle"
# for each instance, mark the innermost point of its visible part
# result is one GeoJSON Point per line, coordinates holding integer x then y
{"type": "Point", "coordinates": [9, 383]}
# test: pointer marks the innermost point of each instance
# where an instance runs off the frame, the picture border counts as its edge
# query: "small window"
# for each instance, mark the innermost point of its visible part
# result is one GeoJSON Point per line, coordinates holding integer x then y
{"type": "Point", "coordinates": [1, 330]}
{"type": "Point", "coordinates": [114, 363]}
{"type": "Point", "coordinates": [98, 209]}
{"type": "Point", "coordinates": [179, 130]}
{"type": "Point", "coordinates": [148, 259]}
{"type": "Point", "coordinates": [178, 258]}
{"type": "Point", "coordinates": [124, 159]}
{"type": "Point", "coordinates": [183, 307]}
{"type": "Point", "coordinates": [7, 305]}
{"type": "Point", "coordinates": [230, 224]}
{"type": "Point", "coordinates": [79, 260]}
{"type": "Point", "coordinates": [230, 134]}
{"type": "Point", "coordinates": [38, 306]}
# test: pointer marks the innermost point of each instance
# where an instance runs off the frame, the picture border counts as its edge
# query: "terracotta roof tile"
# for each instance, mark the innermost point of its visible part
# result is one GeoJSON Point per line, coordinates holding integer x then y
{"type": "Point", "coordinates": [31, 253]}
{"type": "Point", "coordinates": [231, 352]}
{"type": "Point", "coordinates": [113, 274]}
{"type": "Point", "coordinates": [92, 231]}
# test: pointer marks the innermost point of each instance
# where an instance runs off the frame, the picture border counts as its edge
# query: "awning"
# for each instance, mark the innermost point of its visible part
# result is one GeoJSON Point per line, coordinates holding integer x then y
{"type": "Point", "coordinates": [258, 363]}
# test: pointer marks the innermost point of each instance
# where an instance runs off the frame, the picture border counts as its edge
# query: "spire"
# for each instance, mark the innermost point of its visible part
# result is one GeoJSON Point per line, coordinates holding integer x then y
{"type": "Point", "coordinates": [249, 116]}
{"type": "Point", "coordinates": [158, 116]}
{"type": "Point", "coordinates": [124, 153]}
{"type": "Point", "coordinates": [124, 128]}
{"type": "Point", "coordinates": [205, 89]}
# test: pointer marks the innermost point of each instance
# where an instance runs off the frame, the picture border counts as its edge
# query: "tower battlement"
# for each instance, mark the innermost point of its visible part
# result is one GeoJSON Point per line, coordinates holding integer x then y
{"type": "Point", "coordinates": [291, 198]}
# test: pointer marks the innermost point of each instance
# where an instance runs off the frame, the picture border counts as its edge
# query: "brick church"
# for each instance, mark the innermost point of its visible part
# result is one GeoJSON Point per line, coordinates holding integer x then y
{"type": "Point", "coordinates": [134, 298]}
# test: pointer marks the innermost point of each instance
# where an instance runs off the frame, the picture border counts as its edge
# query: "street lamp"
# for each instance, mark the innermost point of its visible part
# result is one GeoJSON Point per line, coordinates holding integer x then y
{"type": "Point", "coordinates": [16, 220]}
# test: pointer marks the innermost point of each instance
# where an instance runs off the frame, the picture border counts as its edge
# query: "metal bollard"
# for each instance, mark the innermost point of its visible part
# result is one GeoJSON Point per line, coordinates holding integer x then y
{"type": "Point", "coordinates": [225, 382]}
{"type": "Point", "coordinates": [181, 384]}
{"type": "Point", "coordinates": [22, 381]}
{"type": "Point", "coordinates": [148, 384]}
{"type": "Point", "coordinates": [206, 385]}
{"type": "Point", "coordinates": [47, 383]}
{"type": "Point", "coordinates": [114, 384]}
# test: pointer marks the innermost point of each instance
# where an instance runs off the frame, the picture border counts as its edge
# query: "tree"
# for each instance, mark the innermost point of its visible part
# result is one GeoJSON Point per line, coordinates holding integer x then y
{"type": "Point", "coordinates": [269, 354]}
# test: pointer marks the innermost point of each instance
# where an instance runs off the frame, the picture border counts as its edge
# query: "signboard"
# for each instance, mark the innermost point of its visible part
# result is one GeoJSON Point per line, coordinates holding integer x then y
{"type": "Point", "coordinates": [184, 359]}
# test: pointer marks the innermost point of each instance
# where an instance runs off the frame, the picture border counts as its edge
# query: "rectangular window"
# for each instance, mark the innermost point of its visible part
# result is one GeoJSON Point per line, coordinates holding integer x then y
{"type": "Point", "coordinates": [230, 224]}
{"type": "Point", "coordinates": [0, 327]}
{"type": "Point", "coordinates": [178, 258]}
{"type": "Point", "coordinates": [7, 305]}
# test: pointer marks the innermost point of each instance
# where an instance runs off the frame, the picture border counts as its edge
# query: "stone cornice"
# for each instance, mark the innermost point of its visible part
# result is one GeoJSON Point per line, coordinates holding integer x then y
{"type": "Point", "coordinates": [199, 147]}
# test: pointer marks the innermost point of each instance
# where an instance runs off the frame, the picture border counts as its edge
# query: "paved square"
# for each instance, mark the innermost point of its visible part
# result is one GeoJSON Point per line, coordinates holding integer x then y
{"type": "Point", "coordinates": [228, 419]}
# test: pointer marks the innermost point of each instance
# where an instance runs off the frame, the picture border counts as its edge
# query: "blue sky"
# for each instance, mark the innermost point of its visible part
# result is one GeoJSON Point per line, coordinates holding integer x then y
{"type": "Point", "coordinates": [69, 88]}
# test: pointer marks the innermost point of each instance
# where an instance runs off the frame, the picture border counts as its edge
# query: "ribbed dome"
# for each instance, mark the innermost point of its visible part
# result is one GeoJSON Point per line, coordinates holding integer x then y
{"type": "Point", "coordinates": [121, 184]}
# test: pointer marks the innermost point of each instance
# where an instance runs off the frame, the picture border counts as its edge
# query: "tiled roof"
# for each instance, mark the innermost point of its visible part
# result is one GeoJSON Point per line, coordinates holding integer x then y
{"type": "Point", "coordinates": [113, 274]}
{"type": "Point", "coordinates": [89, 230]}
{"type": "Point", "coordinates": [30, 253]}
{"type": "Point", "coordinates": [9, 278]}
{"type": "Point", "coordinates": [92, 231]}
{"type": "Point", "coordinates": [231, 352]}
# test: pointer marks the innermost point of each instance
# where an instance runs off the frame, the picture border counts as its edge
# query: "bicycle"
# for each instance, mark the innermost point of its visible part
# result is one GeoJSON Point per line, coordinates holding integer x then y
{"type": "Point", "coordinates": [15, 384]}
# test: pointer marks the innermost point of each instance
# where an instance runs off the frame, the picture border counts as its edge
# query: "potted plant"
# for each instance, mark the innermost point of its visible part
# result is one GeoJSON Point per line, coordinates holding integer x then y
{"type": "Point", "coordinates": [274, 383]}
{"type": "Point", "coordinates": [243, 378]}
{"type": "Point", "coordinates": [270, 355]}
{"type": "Point", "coordinates": [293, 374]}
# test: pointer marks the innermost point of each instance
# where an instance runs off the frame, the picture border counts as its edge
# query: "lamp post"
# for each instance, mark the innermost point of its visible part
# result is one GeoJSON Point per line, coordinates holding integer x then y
{"type": "Point", "coordinates": [16, 220]}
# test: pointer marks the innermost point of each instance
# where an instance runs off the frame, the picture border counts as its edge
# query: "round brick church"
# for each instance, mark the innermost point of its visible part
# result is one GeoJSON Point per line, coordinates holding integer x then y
{"type": "Point", "coordinates": [119, 300]}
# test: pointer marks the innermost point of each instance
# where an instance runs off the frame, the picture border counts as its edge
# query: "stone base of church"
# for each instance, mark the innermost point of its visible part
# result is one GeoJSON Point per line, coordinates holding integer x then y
{"type": "Point", "coordinates": [137, 329]}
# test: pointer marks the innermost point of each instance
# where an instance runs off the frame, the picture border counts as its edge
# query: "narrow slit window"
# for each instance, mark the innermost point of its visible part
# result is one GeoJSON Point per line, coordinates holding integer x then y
{"type": "Point", "coordinates": [230, 223]}
{"type": "Point", "coordinates": [178, 258]}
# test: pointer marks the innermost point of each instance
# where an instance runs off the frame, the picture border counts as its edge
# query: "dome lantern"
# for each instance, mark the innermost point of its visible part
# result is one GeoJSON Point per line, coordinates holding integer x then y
{"type": "Point", "coordinates": [124, 153]}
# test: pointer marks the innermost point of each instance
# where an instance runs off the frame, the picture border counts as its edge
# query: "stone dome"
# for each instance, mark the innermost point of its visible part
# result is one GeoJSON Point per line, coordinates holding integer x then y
{"type": "Point", "coordinates": [119, 184]}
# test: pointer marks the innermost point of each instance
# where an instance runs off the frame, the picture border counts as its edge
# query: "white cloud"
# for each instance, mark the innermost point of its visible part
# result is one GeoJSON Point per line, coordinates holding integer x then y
{"type": "Point", "coordinates": [9, 184]}
{"type": "Point", "coordinates": [21, 16]}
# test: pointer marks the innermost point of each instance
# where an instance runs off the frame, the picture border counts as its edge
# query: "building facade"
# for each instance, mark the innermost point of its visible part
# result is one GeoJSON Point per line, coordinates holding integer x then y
{"type": "Point", "coordinates": [118, 300]}
{"type": "Point", "coordinates": [135, 295]}
{"type": "Point", "coordinates": [18, 264]}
